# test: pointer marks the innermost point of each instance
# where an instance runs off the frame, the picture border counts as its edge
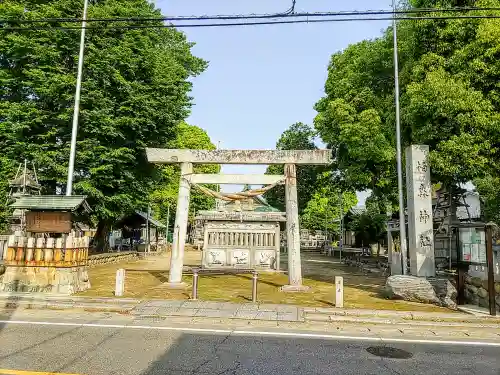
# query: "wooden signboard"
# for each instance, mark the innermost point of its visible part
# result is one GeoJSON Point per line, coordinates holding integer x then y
{"type": "Point", "coordinates": [50, 222]}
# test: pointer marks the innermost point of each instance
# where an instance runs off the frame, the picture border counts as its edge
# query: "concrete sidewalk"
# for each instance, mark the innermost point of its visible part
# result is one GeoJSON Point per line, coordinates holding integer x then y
{"type": "Point", "coordinates": [242, 311]}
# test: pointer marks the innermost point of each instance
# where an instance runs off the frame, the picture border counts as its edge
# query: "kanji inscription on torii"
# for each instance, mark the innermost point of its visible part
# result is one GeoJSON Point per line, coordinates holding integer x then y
{"type": "Point", "coordinates": [419, 201]}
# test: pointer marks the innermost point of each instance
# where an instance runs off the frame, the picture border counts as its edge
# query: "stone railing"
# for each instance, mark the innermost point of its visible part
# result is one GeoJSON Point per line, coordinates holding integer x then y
{"type": "Point", "coordinates": [109, 258]}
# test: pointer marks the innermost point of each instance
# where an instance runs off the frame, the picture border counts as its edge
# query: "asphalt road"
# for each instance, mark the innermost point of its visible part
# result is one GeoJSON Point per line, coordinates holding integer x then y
{"type": "Point", "coordinates": [28, 348]}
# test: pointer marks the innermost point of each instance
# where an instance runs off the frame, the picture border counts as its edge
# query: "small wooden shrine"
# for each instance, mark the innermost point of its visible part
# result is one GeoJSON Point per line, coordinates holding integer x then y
{"type": "Point", "coordinates": [48, 255]}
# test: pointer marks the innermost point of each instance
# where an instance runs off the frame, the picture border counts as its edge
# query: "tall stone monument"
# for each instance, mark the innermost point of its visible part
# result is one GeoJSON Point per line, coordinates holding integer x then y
{"type": "Point", "coordinates": [419, 202]}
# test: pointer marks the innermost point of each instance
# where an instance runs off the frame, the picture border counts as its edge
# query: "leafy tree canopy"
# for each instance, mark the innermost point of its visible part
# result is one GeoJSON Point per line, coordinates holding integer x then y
{"type": "Point", "coordinates": [298, 137]}
{"type": "Point", "coordinates": [370, 226]}
{"type": "Point", "coordinates": [323, 210]}
{"type": "Point", "coordinates": [449, 74]}
{"type": "Point", "coordinates": [165, 195]}
{"type": "Point", "coordinates": [135, 90]}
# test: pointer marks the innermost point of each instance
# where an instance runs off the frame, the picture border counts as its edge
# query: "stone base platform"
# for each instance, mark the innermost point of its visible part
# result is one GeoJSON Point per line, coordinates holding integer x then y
{"type": "Point", "coordinates": [54, 280]}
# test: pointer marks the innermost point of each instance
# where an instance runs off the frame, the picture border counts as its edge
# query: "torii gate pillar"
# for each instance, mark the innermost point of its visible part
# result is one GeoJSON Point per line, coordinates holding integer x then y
{"type": "Point", "coordinates": [180, 227]}
{"type": "Point", "coordinates": [293, 231]}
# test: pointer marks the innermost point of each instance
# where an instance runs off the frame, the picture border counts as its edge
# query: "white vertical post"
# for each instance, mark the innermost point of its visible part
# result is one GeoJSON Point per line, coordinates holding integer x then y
{"type": "Point", "coordinates": [399, 164]}
{"type": "Point", "coordinates": [339, 291]}
{"type": "Point", "coordinates": [180, 228]}
{"type": "Point", "coordinates": [341, 229]}
{"type": "Point", "coordinates": [292, 230]}
{"type": "Point", "coordinates": [76, 111]}
{"type": "Point", "coordinates": [120, 282]}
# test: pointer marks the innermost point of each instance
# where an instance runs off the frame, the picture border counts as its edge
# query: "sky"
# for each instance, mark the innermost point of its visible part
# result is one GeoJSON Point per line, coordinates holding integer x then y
{"type": "Point", "coordinates": [262, 79]}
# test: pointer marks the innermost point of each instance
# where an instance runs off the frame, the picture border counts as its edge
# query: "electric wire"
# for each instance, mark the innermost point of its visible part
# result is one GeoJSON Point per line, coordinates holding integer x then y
{"type": "Point", "coordinates": [290, 13]}
{"type": "Point", "coordinates": [236, 24]}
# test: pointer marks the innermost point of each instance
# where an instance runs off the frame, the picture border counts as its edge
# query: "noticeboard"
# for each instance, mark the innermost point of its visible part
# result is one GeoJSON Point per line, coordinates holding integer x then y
{"type": "Point", "coordinates": [48, 222]}
{"type": "Point", "coordinates": [472, 242]}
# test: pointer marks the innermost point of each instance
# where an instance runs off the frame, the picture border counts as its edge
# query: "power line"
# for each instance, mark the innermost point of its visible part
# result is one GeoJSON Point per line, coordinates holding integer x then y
{"type": "Point", "coordinates": [292, 8]}
{"type": "Point", "coordinates": [236, 24]}
{"type": "Point", "coordinates": [290, 13]}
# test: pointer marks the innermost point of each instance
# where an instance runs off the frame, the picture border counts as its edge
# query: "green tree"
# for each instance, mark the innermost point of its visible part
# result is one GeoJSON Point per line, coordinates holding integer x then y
{"type": "Point", "coordinates": [7, 172]}
{"type": "Point", "coordinates": [165, 194]}
{"type": "Point", "coordinates": [135, 90]}
{"type": "Point", "coordinates": [298, 136]}
{"type": "Point", "coordinates": [323, 209]}
{"type": "Point", "coordinates": [370, 226]}
{"type": "Point", "coordinates": [352, 116]}
{"type": "Point", "coordinates": [449, 101]}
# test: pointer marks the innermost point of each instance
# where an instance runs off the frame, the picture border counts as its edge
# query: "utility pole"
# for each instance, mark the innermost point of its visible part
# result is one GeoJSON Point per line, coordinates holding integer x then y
{"type": "Point", "coordinates": [341, 222]}
{"type": "Point", "coordinates": [76, 111]}
{"type": "Point", "coordinates": [402, 221]}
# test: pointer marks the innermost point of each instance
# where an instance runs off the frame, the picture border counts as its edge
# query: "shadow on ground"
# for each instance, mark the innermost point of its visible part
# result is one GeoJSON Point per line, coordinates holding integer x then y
{"type": "Point", "coordinates": [233, 355]}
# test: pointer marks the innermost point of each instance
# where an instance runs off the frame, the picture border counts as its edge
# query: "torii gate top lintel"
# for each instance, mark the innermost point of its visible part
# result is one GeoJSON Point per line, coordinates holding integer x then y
{"type": "Point", "coordinates": [301, 157]}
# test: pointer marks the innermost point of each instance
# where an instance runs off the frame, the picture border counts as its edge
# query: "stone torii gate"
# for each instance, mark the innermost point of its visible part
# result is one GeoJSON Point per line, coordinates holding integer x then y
{"type": "Point", "coordinates": [290, 158]}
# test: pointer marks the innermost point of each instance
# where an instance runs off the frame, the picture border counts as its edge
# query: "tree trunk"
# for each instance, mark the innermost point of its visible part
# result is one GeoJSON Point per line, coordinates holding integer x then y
{"type": "Point", "coordinates": [378, 248]}
{"type": "Point", "coordinates": [101, 239]}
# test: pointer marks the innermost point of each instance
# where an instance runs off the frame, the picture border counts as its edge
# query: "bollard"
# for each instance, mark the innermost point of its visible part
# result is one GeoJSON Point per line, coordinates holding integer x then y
{"type": "Point", "coordinates": [120, 282]}
{"type": "Point", "coordinates": [339, 291]}
{"type": "Point", "coordinates": [254, 286]}
{"type": "Point", "coordinates": [194, 296]}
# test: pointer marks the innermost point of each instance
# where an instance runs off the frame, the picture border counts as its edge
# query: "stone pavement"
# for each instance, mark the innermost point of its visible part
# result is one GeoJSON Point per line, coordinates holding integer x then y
{"type": "Point", "coordinates": [223, 310]}
{"type": "Point", "coordinates": [235, 311]}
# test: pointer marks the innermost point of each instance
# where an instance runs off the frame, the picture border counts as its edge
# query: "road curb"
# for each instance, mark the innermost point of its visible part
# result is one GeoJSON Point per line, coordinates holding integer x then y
{"type": "Point", "coordinates": [388, 315]}
{"type": "Point", "coordinates": [401, 322]}
{"type": "Point", "coordinates": [138, 308]}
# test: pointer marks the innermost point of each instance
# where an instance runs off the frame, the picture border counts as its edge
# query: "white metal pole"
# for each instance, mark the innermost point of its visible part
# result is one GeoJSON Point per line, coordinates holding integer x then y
{"type": "Point", "coordinates": [402, 221]}
{"type": "Point", "coordinates": [341, 236]}
{"type": "Point", "coordinates": [76, 111]}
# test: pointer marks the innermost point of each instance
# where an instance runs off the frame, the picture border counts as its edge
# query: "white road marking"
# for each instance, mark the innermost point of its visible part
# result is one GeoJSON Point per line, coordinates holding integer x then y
{"type": "Point", "coordinates": [257, 333]}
